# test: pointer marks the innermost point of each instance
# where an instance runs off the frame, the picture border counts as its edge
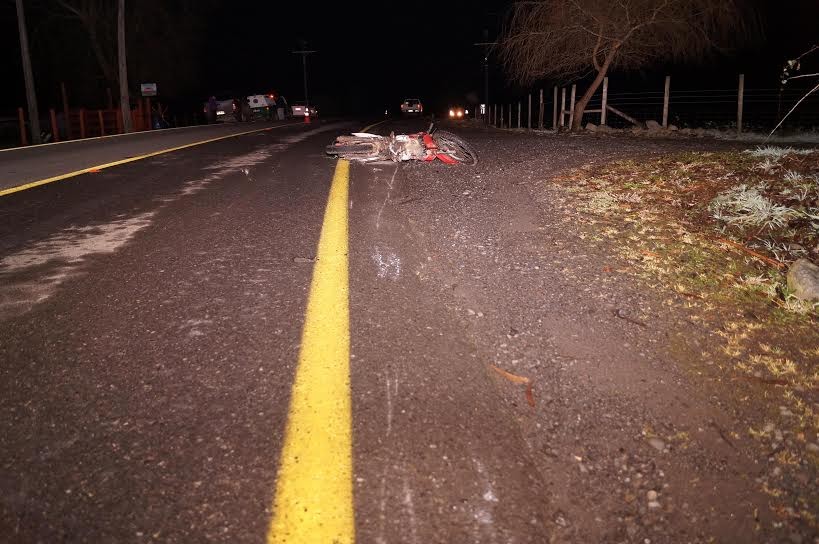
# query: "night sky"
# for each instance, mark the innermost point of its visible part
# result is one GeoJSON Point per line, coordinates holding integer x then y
{"type": "Point", "coordinates": [370, 54]}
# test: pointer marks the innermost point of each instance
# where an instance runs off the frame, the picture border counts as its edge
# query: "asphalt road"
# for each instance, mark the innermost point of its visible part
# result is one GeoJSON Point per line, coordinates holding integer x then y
{"type": "Point", "coordinates": [19, 166]}
{"type": "Point", "coordinates": [151, 319]}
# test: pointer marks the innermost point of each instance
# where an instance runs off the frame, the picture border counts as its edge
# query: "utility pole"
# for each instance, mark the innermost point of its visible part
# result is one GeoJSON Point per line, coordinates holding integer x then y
{"type": "Point", "coordinates": [124, 97]}
{"type": "Point", "coordinates": [486, 46]}
{"type": "Point", "coordinates": [304, 54]}
{"type": "Point", "coordinates": [31, 95]}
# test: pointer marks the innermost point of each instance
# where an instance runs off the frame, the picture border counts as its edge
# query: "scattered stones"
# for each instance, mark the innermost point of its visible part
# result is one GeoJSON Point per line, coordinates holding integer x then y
{"type": "Point", "coordinates": [785, 412]}
{"type": "Point", "coordinates": [813, 448]}
{"type": "Point", "coordinates": [651, 495]}
{"type": "Point", "coordinates": [768, 428]}
{"type": "Point", "coordinates": [591, 127]}
{"type": "Point", "coordinates": [803, 280]}
{"type": "Point", "coordinates": [651, 124]}
{"type": "Point", "coordinates": [656, 443]}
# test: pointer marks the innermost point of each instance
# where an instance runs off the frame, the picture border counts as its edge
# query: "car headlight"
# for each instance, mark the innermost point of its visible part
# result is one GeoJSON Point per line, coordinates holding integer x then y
{"type": "Point", "coordinates": [451, 113]}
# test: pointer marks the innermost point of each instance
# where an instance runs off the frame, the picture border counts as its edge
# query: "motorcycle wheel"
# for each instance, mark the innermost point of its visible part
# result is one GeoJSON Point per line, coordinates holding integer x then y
{"type": "Point", "coordinates": [351, 151]}
{"type": "Point", "coordinates": [455, 147]}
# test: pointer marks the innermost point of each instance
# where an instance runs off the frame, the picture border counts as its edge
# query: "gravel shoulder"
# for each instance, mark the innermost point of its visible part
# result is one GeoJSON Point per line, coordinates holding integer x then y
{"type": "Point", "coordinates": [625, 383]}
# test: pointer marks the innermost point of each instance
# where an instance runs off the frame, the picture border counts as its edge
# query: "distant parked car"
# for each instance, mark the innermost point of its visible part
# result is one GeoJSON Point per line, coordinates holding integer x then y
{"type": "Point", "coordinates": [412, 106]}
{"type": "Point", "coordinates": [299, 109]}
{"type": "Point", "coordinates": [224, 108]}
{"type": "Point", "coordinates": [261, 106]}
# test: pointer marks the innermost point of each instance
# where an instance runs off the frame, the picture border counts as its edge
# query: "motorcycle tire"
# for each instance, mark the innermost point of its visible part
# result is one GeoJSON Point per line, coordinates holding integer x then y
{"type": "Point", "coordinates": [455, 147]}
{"type": "Point", "coordinates": [355, 151]}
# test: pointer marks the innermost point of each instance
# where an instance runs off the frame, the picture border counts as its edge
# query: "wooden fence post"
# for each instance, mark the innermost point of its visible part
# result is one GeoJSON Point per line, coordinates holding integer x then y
{"type": "Point", "coordinates": [665, 100]}
{"type": "Point", "coordinates": [501, 116]}
{"type": "Point", "coordinates": [66, 116]}
{"type": "Point", "coordinates": [55, 129]}
{"type": "Point", "coordinates": [554, 114]}
{"type": "Point", "coordinates": [605, 102]}
{"type": "Point", "coordinates": [540, 112]}
{"type": "Point", "coordinates": [571, 110]}
{"type": "Point", "coordinates": [519, 115]}
{"type": "Point", "coordinates": [562, 105]}
{"type": "Point", "coordinates": [102, 122]}
{"type": "Point", "coordinates": [21, 117]}
{"type": "Point", "coordinates": [529, 117]}
{"type": "Point", "coordinates": [510, 117]}
{"type": "Point", "coordinates": [82, 123]}
{"type": "Point", "coordinates": [740, 100]}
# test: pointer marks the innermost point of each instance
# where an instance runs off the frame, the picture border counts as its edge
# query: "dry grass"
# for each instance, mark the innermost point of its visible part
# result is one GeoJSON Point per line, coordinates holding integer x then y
{"type": "Point", "coordinates": [714, 232]}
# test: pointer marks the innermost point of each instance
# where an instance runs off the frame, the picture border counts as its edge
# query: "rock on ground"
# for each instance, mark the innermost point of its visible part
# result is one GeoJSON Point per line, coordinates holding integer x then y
{"type": "Point", "coordinates": [803, 280]}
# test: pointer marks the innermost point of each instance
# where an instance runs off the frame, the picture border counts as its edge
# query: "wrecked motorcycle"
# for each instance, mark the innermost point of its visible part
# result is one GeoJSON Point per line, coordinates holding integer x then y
{"type": "Point", "coordinates": [421, 146]}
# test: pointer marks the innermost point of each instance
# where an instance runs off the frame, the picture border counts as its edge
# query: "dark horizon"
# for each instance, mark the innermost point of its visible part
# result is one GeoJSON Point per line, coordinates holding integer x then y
{"type": "Point", "coordinates": [369, 56]}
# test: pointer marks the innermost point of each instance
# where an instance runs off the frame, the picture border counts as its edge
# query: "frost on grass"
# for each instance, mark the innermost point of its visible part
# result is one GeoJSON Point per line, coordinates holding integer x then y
{"type": "Point", "coordinates": [776, 153]}
{"type": "Point", "coordinates": [745, 206]}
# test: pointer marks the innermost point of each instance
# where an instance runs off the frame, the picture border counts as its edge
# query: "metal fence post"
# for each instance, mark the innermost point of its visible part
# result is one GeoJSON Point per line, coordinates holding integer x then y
{"type": "Point", "coordinates": [529, 111]}
{"type": "Point", "coordinates": [562, 105]}
{"type": "Point", "coordinates": [740, 100]}
{"type": "Point", "coordinates": [519, 116]}
{"type": "Point", "coordinates": [21, 117]}
{"type": "Point", "coordinates": [55, 128]}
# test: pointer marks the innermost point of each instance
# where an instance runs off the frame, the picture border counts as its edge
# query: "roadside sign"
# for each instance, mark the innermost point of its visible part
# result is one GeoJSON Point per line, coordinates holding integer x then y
{"type": "Point", "coordinates": [148, 89]}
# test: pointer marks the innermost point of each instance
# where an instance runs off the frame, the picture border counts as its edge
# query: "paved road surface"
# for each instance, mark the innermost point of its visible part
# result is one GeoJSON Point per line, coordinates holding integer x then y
{"type": "Point", "coordinates": [152, 318]}
{"type": "Point", "coordinates": [19, 166]}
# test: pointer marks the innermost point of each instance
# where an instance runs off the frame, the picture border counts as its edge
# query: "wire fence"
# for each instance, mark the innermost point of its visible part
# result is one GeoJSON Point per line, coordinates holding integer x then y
{"type": "Point", "coordinates": [757, 109]}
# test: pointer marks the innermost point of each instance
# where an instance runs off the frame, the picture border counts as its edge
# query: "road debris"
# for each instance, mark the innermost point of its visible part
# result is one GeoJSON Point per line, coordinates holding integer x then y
{"type": "Point", "coordinates": [514, 378]}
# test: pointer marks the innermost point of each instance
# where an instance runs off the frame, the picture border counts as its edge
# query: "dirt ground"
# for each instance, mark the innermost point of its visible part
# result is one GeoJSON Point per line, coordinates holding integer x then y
{"type": "Point", "coordinates": [659, 371]}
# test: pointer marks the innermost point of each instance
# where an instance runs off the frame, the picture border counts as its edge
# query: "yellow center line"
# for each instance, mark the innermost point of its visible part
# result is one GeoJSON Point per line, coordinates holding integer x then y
{"type": "Point", "coordinates": [314, 492]}
{"type": "Point", "coordinates": [368, 127]}
{"type": "Point", "coordinates": [95, 168]}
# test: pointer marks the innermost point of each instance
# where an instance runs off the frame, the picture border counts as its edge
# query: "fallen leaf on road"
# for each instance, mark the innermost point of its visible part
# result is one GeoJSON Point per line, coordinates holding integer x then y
{"type": "Point", "coordinates": [514, 378]}
{"type": "Point", "coordinates": [509, 376]}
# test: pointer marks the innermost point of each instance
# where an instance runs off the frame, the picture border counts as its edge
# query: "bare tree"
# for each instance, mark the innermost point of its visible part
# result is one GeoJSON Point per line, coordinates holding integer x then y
{"type": "Point", "coordinates": [124, 96]}
{"type": "Point", "coordinates": [574, 38]}
{"type": "Point", "coordinates": [97, 18]}
{"type": "Point", "coordinates": [31, 95]}
{"type": "Point", "coordinates": [790, 72]}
